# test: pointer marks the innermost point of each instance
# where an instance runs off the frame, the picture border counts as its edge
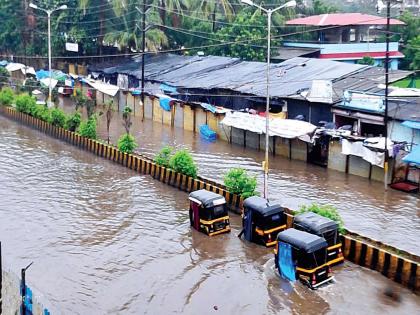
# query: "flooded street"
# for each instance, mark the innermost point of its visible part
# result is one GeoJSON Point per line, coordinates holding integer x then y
{"type": "Point", "coordinates": [364, 205]}
{"type": "Point", "coordinates": [105, 240]}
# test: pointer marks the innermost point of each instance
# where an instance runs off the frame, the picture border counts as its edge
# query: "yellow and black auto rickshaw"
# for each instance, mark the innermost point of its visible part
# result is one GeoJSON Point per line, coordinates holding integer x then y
{"type": "Point", "coordinates": [328, 229]}
{"type": "Point", "coordinates": [301, 255]}
{"type": "Point", "coordinates": [208, 212]}
{"type": "Point", "coordinates": [262, 221]}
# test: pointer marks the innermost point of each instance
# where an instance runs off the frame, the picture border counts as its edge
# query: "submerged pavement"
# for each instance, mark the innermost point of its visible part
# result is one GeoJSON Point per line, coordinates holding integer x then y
{"type": "Point", "coordinates": [106, 240]}
{"type": "Point", "coordinates": [391, 216]}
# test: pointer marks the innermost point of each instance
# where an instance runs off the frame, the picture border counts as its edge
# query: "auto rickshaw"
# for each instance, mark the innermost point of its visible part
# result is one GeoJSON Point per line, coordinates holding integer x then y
{"type": "Point", "coordinates": [262, 221]}
{"type": "Point", "coordinates": [301, 255]}
{"type": "Point", "coordinates": [328, 229]}
{"type": "Point", "coordinates": [208, 212]}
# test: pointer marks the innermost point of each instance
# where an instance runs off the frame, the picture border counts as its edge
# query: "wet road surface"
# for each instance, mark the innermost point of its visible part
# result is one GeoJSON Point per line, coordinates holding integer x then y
{"type": "Point", "coordinates": [105, 240]}
{"type": "Point", "coordinates": [364, 205]}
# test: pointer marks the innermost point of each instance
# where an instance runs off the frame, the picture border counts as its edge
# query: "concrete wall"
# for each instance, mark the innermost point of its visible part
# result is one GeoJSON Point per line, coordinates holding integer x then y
{"type": "Point", "coordinates": [282, 147]}
{"type": "Point", "coordinates": [299, 150]}
{"type": "Point", "coordinates": [148, 108]}
{"type": "Point", "coordinates": [189, 118]}
{"type": "Point", "coordinates": [157, 110]}
{"type": "Point", "coordinates": [200, 118]}
{"type": "Point", "coordinates": [179, 116]}
{"type": "Point", "coordinates": [336, 160]}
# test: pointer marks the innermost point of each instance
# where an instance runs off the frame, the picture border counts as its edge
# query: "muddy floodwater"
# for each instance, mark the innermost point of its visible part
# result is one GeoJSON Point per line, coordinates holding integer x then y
{"type": "Point", "coordinates": [364, 205]}
{"type": "Point", "coordinates": [105, 240]}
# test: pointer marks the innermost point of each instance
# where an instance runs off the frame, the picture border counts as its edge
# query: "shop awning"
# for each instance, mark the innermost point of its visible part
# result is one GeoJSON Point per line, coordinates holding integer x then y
{"type": "Point", "coordinates": [411, 124]}
{"type": "Point", "coordinates": [284, 128]}
{"type": "Point", "coordinates": [105, 88]}
{"type": "Point", "coordinates": [413, 156]}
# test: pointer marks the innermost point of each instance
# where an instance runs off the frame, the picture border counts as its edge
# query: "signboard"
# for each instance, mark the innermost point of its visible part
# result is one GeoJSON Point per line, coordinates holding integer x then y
{"type": "Point", "coordinates": [72, 47]}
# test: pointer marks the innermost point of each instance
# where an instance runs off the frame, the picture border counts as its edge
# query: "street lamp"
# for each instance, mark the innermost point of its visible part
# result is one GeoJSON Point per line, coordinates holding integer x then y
{"type": "Point", "coordinates": [49, 12]}
{"type": "Point", "coordinates": [269, 13]}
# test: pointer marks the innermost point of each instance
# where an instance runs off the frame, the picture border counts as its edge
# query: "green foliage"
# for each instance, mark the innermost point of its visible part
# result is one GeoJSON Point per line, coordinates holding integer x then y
{"type": "Point", "coordinates": [127, 119]}
{"type": "Point", "coordinates": [6, 96]}
{"type": "Point", "coordinates": [25, 104]}
{"type": "Point", "coordinates": [366, 60]}
{"type": "Point", "coordinates": [182, 162]}
{"type": "Point", "coordinates": [327, 211]}
{"type": "Point", "coordinates": [412, 53]}
{"type": "Point", "coordinates": [73, 121]}
{"type": "Point", "coordinates": [253, 37]}
{"type": "Point", "coordinates": [4, 76]}
{"type": "Point", "coordinates": [42, 112]}
{"type": "Point", "coordinates": [237, 181]}
{"type": "Point", "coordinates": [164, 156]}
{"type": "Point", "coordinates": [88, 128]}
{"type": "Point", "coordinates": [58, 118]}
{"type": "Point", "coordinates": [127, 143]}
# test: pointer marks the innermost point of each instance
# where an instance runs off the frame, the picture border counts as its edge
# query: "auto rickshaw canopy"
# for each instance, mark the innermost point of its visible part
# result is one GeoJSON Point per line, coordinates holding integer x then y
{"type": "Point", "coordinates": [262, 206]}
{"type": "Point", "coordinates": [302, 240]}
{"type": "Point", "coordinates": [207, 198]}
{"type": "Point", "coordinates": [315, 223]}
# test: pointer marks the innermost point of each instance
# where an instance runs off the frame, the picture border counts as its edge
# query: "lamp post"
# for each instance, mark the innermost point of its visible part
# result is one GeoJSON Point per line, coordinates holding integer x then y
{"type": "Point", "coordinates": [269, 13]}
{"type": "Point", "coordinates": [49, 12]}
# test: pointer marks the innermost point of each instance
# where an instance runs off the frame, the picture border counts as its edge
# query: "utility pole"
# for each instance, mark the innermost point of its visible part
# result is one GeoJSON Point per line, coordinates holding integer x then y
{"type": "Point", "coordinates": [143, 30]}
{"type": "Point", "coordinates": [388, 17]}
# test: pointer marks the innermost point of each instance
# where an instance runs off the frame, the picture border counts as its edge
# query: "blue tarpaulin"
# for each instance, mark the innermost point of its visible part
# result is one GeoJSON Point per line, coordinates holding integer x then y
{"type": "Point", "coordinates": [411, 124]}
{"type": "Point", "coordinates": [413, 156]}
{"type": "Point", "coordinates": [167, 88]}
{"type": "Point", "coordinates": [286, 265]}
{"type": "Point", "coordinates": [207, 133]}
{"type": "Point", "coordinates": [165, 102]}
{"type": "Point", "coordinates": [4, 63]}
{"type": "Point", "coordinates": [136, 92]}
{"type": "Point", "coordinates": [209, 107]}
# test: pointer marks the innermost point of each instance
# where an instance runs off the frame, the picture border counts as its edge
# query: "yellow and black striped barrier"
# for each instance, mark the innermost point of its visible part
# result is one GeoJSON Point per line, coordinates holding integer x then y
{"type": "Point", "coordinates": [395, 267]}
{"type": "Point", "coordinates": [392, 266]}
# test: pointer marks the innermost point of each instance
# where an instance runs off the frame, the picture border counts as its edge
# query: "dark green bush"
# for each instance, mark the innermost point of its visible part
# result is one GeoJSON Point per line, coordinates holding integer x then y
{"type": "Point", "coordinates": [30, 85]}
{"type": "Point", "coordinates": [25, 103]}
{"type": "Point", "coordinates": [325, 211]}
{"type": "Point", "coordinates": [4, 76]}
{"type": "Point", "coordinates": [88, 128]}
{"type": "Point", "coordinates": [127, 143]}
{"type": "Point", "coordinates": [73, 121]}
{"type": "Point", "coordinates": [58, 118]}
{"type": "Point", "coordinates": [6, 96]}
{"type": "Point", "coordinates": [182, 162]}
{"type": "Point", "coordinates": [164, 156]}
{"type": "Point", "coordinates": [237, 181]}
{"type": "Point", "coordinates": [41, 112]}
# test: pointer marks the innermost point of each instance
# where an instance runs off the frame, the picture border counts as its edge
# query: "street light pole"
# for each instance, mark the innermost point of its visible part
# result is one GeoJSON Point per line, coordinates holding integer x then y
{"type": "Point", "coordinates": [49, 12]}
{"type": "Point", "coordinates": [269, 13]}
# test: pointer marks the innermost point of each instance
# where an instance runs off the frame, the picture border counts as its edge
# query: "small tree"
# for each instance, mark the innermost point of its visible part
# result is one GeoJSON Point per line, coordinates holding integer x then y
{"type": "Point", "coordinates": [127, 143]}
{"type": "Point", "coordinates": [182, 162]}
{"type": "Point", "coordinates": [4, 76]}
{"type": "Point", "coordinates": [6, 96]}
{"type": "Point", "coordinates": [109, 113]}
{"type": "Point", "coordinates": [237, 181]}
{"type": "Point", "coordinates": [88, 128]}
{"type": "Point", "coordinates": [164, 156]}
{"type": "Point", "coordinates": [73, 121]}
{"type": "Point", "coordinates": [25, 103]}
{"type": "Point", "coordinates": [58, 118]}
{"type": "Point", "coordinates": [127, 119]}
{"type": "Point", "coordinates": [327, 211]}
{"type": "Point", "coordinates": [366, 60]}
{"type": "Point", "coordinates": [82, 100]}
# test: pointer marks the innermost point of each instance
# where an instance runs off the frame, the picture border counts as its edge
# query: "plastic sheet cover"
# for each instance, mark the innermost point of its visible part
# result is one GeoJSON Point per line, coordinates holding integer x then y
{"type": "Point", "coordinates": [285, 261]}
{"type": "Point", "coordinates": [284, 128]}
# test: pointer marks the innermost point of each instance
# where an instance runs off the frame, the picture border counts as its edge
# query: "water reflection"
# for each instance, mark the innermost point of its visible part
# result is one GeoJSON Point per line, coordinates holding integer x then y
{"type": "Point", "coordinates": [105, 240]}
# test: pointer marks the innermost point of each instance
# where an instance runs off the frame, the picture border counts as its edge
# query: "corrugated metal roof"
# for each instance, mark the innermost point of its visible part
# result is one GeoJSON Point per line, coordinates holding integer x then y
{"type": "Point", "coordinates": [287, 79]}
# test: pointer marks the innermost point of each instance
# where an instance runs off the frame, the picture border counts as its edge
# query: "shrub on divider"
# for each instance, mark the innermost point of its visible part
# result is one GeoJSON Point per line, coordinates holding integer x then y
{"type": "Point", "coordinates": [182, 162]}
{"type": "Point", "coordinates": [6, 96]}
{"type": "Point", "coordinates": [127, 143]}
